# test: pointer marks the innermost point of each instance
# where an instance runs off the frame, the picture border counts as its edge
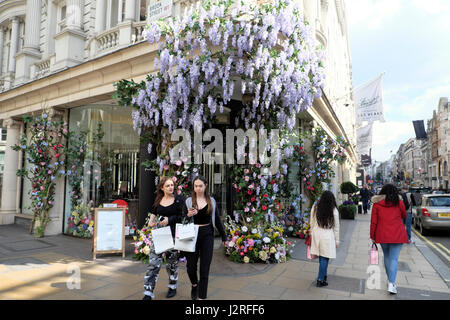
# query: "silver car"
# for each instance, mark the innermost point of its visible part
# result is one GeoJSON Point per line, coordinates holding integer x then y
{"type": "Point", "coordinates": [432, 213]}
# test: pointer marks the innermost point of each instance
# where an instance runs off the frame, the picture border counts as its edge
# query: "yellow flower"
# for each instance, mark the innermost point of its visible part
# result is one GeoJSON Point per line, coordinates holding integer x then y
{"type": "Point", "coordinates": [273, 250]}
{"type": "Point", "coordinates": [246, 259]}
{"type": "Point", "coordinates": [238, 242]}
{"type": "Point", "coordinates": [275, 235]}
{"type": "Point", "coordinates": [147, 250]}
{"type": "Point", "coordinates": [134, 238]}
{"type": "Point", "coordinates": [263, 255]}
{"type": "Point", "coordinates": [91, 223]}
{"type": "Point", "coordinates": [140, 238]}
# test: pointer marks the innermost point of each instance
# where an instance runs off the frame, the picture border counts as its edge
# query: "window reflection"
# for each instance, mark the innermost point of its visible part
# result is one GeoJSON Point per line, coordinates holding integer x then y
{"type": "Point", "coordinates": [107, 164]}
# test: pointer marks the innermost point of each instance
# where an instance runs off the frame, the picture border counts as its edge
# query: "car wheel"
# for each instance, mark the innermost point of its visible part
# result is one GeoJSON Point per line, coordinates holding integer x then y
{"type": "Point", "coordinates": [422, 230]}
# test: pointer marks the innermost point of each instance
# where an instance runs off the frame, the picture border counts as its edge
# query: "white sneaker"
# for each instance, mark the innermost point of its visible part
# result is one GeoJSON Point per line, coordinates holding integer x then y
{"type": "Point", "coordinates": [392, 288]}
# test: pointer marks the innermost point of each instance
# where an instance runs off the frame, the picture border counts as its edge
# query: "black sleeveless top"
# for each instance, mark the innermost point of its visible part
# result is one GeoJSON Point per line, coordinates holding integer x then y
{"type": "Point", "coordinates": [173, 212]}
{"type": "Point", "coordinates": [202, 217]}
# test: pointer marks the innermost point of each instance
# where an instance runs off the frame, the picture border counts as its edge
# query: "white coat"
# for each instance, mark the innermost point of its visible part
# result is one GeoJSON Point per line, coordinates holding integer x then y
{"type": "Point", "coordinates": [323, 241]}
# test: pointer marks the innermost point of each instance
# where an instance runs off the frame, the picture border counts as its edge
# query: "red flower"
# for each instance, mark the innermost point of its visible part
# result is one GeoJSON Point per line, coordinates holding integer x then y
{"type": "Point", "coordinates": [186, 186]}
{"type": "Point", "coordinates": [273, 181]}
{"type": "Point", "coordinates": [250, 192]}
{"type": "Point", "coordinates": [265, 195]}
{"type": "Point", "coordinates": [252, 199]}
{"type": "Point", "coordinates": [264, 207]}
{"type": "Point", "coordinates": [57, 155]}
{"type": "Point", "coordinates": [54, 148]}
{"type": "Point", "coordinates": [59, 146]}
{"type": "Point", "coordinates": [237, 190]}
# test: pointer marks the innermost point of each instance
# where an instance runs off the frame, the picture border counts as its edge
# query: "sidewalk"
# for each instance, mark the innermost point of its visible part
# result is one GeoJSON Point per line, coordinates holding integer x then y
{"type": "Point", "coordinates": [41, 270]}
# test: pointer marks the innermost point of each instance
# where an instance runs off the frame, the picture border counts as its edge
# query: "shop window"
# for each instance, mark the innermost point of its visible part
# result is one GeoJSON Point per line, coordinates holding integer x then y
{"type": "Point", "coordinates": [4, 132]}
{"type": "Point", "coordinates": [108, 166]}
{"type": "Point", "coordinates": [143, 10]}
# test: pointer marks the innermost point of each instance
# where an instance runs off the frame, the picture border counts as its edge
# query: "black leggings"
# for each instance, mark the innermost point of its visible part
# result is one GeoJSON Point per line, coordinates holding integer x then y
{"type": "Point", "coordinates": [203, 249]}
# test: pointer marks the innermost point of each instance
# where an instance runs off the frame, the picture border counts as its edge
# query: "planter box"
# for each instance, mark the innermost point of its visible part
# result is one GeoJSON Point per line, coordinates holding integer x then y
{"type": "Point", "coordinates": [347, 211]}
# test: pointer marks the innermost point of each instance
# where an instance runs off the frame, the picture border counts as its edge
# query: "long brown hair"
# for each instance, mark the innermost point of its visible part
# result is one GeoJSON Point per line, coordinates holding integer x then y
{"type": "Point", "coordinates": [160, 192]}
{"type": "Point", "coordinates": [325, 209]}
{"type": "Point", "coordinates": [207, 196]}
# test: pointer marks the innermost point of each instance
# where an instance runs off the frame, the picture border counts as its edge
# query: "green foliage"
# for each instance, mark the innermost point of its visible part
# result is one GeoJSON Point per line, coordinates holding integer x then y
{"type": "Point", "coordinates": [45, 150]}
{"type": "Point", "coordinates": [349, 187]}
{"type": "Point", "coordinates": [347, 211]}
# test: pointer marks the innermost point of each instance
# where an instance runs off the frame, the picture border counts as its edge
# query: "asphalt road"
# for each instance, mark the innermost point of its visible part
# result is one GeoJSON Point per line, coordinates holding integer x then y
{"type": "Point", "coordinates": [439, 242]}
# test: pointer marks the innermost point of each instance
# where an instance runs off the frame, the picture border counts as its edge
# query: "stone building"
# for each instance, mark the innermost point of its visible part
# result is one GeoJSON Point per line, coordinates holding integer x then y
{"type": "Point", "coordinates": [65, 55]}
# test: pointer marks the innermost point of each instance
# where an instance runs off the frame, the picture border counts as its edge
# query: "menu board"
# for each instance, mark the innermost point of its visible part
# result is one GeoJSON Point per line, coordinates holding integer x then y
{"type": "Point", "coordinates": [109, 231]}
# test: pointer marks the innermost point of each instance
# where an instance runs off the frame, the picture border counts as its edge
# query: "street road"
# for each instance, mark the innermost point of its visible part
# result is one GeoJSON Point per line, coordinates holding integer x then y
{"type": "Point", "coordinates": [439, 242]}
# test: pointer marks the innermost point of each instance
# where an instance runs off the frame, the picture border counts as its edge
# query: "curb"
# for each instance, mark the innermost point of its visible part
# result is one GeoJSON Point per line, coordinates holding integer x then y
{"type": "Point", "coordinates": [437, 264]}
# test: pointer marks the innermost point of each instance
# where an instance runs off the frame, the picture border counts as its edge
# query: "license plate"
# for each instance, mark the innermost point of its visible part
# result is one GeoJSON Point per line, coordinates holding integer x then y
{"type": "Point", "coordinates": [444, 215]}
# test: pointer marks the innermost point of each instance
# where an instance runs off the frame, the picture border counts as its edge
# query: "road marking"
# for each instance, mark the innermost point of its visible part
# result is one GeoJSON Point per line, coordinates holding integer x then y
{"type": "Point", "coordinates": [433, 245]}
{"type": "Point", "coordinates": [443, 247]}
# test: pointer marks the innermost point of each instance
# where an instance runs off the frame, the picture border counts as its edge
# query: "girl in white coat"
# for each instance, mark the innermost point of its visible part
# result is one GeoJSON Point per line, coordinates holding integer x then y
{"type": "Point", "coordinates": [324, 233]}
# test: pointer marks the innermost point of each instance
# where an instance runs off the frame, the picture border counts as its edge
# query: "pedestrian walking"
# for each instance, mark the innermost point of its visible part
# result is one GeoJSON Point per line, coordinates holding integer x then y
{"type": "Point", "coordinates": [387, 229]}
{"type": "Point", "coordinates": [408, 221]}
{"type": "Point", "coordinates": [365, 197]}
{"type": "Point", "coordinates": [169, 207]}
{"type": "Point", "coordinates": [325, 233]}
{"type": "Point", "coordinates": [202, 208]}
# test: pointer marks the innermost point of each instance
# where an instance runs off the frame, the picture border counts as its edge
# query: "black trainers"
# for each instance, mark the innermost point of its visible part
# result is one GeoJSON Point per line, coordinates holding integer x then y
{"type": "Point", "coordinates": [194, 293]}
{"type": "Point", "coordinates": [322, 283]}
{"type": "Point", "coordinates": [171, 293]}
{"type": "Point", "coordinates": [146, 297]}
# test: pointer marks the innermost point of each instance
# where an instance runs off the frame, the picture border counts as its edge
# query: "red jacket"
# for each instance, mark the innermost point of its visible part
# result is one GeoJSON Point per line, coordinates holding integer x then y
{"type": "Point", "coordinates": [386, 225]}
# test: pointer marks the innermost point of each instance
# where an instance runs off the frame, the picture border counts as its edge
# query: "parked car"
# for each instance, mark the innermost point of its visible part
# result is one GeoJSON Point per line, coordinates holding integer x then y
{"type": "Point", "coordinates": [433, 212]}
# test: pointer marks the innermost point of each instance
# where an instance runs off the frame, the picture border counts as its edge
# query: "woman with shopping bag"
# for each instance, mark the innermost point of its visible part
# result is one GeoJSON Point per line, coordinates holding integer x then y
{"type": "Point", "coordinates": [387, 229]}
{"type": "Point", "coordinates": [169, 207]}
{"type": "Point", "coordinates": [324, 233]}
{"type": "Point", "coordinates": [202, 209]}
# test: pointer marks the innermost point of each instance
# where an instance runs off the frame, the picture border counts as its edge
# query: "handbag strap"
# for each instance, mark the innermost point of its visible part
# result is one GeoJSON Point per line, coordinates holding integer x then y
{"type": "Point", "coordinates": [376, 247]}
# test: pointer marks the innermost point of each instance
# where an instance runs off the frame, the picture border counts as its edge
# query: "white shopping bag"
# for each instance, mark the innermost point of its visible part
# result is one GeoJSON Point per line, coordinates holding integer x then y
{"type": "Point", "coordinates": [162, 239]}
{"type": "Point", "coordinates": [187, 245]}
{"type": "Point", "coordinates": [185, 231]}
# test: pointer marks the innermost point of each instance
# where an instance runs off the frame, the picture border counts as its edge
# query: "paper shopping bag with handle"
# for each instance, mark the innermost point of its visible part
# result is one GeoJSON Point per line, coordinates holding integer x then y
{"type": "Point", "coordinates": [187, 245]}
{"type": "Point", "coordinates": [185, 231]}
{"type": "Point", "coordinates": [374, 254]}
{"type": "Point", "coordinates": [162, 239]}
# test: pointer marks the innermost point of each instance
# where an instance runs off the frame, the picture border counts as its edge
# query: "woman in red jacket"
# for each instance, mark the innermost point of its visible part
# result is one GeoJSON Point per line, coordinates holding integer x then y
{"type": "Point", "coordinates": [387, 229]}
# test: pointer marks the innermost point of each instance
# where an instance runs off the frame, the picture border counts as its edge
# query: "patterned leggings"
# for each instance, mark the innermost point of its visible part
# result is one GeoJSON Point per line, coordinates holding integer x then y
{"type": "Point", "coordinates": [155, 261]}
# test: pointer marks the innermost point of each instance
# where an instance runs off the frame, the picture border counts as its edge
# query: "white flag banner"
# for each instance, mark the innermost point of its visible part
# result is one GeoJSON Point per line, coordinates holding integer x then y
{"type": "Point", "coordinates": [369, 102]}
{"type": "Point", "coordinates": [364, 140]}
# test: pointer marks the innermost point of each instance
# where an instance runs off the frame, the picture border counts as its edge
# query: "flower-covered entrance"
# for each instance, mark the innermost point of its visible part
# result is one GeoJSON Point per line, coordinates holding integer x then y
{"type": "Point", "coordinates": [258, 65]}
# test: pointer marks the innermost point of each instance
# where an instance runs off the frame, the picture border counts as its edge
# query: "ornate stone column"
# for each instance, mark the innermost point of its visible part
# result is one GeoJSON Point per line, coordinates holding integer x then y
{"type": "Point", "coordinates": [2, 40]}
{"type": "Point", "coordinates": [100, 16]}
{"type": "Point", "coordinates": [14, 44]}
{"type": "Point", "coordinates": [33, 25]}
{"type": "Point", "coordinates": [9, 190]}
{"type": "Point", "coordinates": [30, 52]}
{"type": "Point", "coordinates": [74, 14]}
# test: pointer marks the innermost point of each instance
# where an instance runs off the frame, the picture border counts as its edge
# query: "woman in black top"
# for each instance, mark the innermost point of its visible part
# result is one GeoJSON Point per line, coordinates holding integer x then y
{"type": "Point", "coordinates": [202, 207]}
{"type": "Point", "coordinates": [170, 208]}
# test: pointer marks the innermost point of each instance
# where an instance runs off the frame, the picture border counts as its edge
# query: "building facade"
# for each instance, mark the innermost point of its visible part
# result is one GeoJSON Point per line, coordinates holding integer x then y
{"type": "Point", "coordinates": [66, 55]}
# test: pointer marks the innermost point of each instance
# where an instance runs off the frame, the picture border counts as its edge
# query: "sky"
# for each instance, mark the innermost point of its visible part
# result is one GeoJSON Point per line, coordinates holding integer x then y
{"type": "Point", "coordinates": [410, 41]}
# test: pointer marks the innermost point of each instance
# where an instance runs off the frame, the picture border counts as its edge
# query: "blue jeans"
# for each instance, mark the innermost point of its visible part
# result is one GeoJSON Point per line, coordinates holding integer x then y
{"type": "Point", "coordinates": [323, 266]}
{"type": "Point", "coordinates": [408, 222]}
{"type": "Point", "coordinates": [391, 253]}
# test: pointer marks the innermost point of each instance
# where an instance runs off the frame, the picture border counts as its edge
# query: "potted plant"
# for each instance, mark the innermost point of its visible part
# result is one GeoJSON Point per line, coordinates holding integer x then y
{"type": "Point", "coordinates": [348, 209]}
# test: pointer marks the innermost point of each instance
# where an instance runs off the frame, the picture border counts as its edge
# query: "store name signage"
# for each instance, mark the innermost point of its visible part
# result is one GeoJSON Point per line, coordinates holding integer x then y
{"type": "Point", "coordinates": [158, 9]}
